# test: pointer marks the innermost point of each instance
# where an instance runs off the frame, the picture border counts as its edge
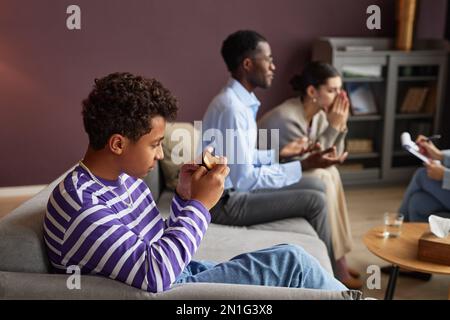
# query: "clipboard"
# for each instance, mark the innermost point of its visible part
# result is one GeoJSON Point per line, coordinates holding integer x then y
{"type": "Point", "coordinates": [412, 147]}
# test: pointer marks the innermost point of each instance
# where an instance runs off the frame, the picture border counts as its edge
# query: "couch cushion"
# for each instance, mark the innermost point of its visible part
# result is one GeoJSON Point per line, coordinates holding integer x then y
{"type": "Point", "coordinates": [296, 225]}
{"type": "Point", "coordinates": [22, 246]}
{"type": "Point", "coordinates": [15, 285]}
{"type": "Point", "coordinates": [222, 243]}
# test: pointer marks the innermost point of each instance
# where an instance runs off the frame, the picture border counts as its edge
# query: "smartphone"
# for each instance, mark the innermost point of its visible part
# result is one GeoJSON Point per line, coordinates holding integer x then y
{"type": "Point", "coordinates": [209, 161]}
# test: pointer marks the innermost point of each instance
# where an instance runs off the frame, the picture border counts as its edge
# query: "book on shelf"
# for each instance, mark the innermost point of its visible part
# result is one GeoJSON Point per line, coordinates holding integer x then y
{"type": "Point", "coordinates": [414, 100]}
{"type": "Point", "coordinates": [362, 99]}
{"type": "Point", "coordinates": [359, 146]}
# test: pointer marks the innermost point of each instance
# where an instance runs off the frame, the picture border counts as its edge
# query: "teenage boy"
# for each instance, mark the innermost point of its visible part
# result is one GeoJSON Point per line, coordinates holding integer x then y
{"type": "Point", "coordinates": [103, 219]}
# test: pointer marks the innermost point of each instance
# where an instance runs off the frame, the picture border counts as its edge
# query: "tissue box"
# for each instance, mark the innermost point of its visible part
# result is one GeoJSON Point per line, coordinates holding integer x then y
{"type": "Point", "coordinates": [434, 249]}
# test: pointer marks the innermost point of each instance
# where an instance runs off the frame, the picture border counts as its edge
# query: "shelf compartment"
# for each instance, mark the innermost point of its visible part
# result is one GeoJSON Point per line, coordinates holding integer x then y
{"type": "Point", "coordinates": [417, 78]}
{"type": "Point", "coordinates": [423, 67]}
{"type": "Point", "coordinates": [409, 116]}
{"type": "Point", "coordinates": [367, 155]}
{"type": "Point", "coordinates": [363, 79]}
{"type": "Point", "coordinates": [369, 117]}
{"type": "Point", "coordinates": [401, 153]}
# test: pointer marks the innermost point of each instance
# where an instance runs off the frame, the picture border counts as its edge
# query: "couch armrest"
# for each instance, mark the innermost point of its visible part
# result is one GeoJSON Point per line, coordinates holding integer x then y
{"type": "Point", "coordinates": [15, 285]}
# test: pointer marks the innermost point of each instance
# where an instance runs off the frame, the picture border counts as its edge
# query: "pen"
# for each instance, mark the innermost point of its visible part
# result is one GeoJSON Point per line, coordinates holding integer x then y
{"type": "Point", "coordinates": [433, 137]}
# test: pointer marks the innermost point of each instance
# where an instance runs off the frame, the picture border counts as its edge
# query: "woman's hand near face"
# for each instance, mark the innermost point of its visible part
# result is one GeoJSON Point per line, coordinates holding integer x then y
{"type": "Point", "coordinates": [338, 114]}
{"type": "Point", "coordinates": [346, 110]}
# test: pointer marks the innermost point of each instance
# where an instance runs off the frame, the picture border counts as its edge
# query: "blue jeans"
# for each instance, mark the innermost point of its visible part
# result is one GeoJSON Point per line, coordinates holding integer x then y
{"type": "Point", "coordinates": [423, 197]}
{"type": "Point", "coordinates": [281, 266]}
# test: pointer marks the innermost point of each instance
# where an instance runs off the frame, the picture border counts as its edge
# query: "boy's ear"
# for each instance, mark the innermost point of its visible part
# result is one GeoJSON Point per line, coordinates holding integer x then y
{"type": "Point", "coordinates": [117, 143]}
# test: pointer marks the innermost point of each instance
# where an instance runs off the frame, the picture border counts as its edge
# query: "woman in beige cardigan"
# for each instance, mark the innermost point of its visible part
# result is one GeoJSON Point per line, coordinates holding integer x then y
{"type": "Point", "coordinates": [320, 113]}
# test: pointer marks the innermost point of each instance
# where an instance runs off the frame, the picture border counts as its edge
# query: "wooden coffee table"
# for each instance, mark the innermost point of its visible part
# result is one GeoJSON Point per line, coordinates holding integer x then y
{"type": "Point", "coordinates": [401, 252]}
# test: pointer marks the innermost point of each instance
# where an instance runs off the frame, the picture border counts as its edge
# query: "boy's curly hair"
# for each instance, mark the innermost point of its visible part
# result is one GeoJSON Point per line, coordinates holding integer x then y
{"type": "Point", "coordinates": [124, 103]}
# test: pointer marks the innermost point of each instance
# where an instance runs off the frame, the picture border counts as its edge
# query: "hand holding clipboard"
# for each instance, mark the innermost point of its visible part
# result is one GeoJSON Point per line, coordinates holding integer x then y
{"type": "Point", "coordinates": [412, 147]}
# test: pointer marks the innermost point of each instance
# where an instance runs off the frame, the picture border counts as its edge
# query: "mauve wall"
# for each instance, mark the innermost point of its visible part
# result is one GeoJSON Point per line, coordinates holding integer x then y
{"type": "Point", "coordinates": [46, 70]}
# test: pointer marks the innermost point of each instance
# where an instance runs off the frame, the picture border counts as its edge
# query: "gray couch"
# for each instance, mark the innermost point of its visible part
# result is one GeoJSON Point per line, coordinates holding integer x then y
{"type": "Point", "coordinates": [25, 272]}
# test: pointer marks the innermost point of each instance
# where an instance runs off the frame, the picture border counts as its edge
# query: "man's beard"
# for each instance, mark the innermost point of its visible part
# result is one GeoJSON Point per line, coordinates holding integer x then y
{"type": "Point", "coordinates": [260, 82]}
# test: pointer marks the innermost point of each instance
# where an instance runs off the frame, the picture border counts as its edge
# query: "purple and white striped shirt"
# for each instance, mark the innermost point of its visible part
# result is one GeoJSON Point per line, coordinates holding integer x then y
{"type": "Point", "coordinates": [87, 225]}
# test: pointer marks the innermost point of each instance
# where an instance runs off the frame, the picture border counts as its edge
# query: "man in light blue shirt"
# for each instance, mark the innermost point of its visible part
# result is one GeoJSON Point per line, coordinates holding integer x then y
{"type": "Point", "coordinates": [258, 189]}
{"type": "Point", "coordinates": [251, 169]}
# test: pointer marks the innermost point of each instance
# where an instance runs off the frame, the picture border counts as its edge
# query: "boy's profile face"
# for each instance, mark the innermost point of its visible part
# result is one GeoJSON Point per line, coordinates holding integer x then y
{"type": "Point", "coordinates": [140, 157]}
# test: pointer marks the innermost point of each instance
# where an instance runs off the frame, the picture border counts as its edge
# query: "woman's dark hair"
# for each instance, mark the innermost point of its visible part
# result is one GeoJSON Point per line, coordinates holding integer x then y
{"type": "Point", "coordinates": [123, 103]}
{"type": "Point", "coordinates": [238, 46]}
{"type": "Point", "coordinates": [314, 74]}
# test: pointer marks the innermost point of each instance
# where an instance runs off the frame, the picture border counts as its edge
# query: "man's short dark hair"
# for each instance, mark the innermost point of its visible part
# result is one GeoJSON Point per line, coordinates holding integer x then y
{"type": "Point", "coordinates": [238, 46]}
{"type": "Point", "coordinates": [123, 103]}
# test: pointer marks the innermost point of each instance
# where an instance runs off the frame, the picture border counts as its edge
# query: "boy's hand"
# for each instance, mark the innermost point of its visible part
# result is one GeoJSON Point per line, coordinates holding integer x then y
{"type": "Point", "coordinates": [184, 180]}
{"type": "Point", "coordinates": [323, 159]}
{"type": "Point", "coordinates": [435, 171]}
{"type": "Point", "coordinates": [428, 149]}
{"type": "Point", "coordinates": [207, 186]}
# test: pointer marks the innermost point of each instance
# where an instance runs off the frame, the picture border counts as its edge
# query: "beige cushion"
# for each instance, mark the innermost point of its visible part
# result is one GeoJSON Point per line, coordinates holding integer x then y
{"type": "Point", "coordinates": [181, 139]}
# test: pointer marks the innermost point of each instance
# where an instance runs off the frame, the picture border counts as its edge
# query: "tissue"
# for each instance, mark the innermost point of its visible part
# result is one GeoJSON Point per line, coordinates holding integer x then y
{"type": "Point", "coordinates": [440, 227]}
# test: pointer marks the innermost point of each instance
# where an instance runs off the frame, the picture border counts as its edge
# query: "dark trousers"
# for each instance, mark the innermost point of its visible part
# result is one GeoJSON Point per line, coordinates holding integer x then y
{"type": "Point", "coordinates": [305, 199]}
